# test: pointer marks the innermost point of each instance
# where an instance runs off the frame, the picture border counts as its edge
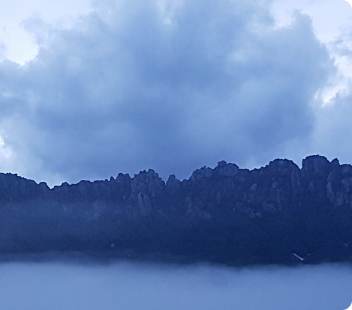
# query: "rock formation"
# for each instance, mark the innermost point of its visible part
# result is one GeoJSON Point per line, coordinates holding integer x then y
{"type": "Point", "coordinates": [276, 214]}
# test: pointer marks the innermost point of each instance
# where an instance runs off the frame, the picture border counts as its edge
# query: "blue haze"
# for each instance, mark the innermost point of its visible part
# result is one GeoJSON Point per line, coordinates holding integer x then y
{"type": "Point", "coordinates": [57, 286]}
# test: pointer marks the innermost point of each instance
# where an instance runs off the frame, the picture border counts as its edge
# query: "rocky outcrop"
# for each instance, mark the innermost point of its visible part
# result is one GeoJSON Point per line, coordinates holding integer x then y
{"type": "Point", "coordinates": [226, 214]}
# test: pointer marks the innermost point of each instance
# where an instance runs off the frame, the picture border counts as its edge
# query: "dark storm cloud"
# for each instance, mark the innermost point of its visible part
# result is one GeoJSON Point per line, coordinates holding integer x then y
{"type": "Point", "coordinates": [130, 286]}
{"type": "Point", "coordinates": [140, 85]}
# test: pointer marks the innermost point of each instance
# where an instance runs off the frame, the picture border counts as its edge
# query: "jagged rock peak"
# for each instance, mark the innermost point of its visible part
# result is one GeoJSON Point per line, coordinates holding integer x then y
{"type": "Point", "coordinates": [335, 162]}
{"type": "Point", "coordinates": [199, 174]}
{"type": "Point", "coordinates": [316, 164]}
{"type": "Point", "coordinates": [225, 169]}
{"type": "Point", "coordinates": [147, 175]}
{"type": "Point", "coordinates": [282, 166]}
{"type": "Point", "coordinates": [172, 182]}
{"type": "Point", "coordinates": [123, 178]}
{"type": "Point", "coordinates": [43, 186]}
{"type": "Point", "coordinates": [147, 181]}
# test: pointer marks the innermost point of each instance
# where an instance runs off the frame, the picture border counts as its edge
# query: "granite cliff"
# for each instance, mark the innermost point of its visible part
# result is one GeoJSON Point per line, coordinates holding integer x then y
{"type": "Point", "coordinates": [276, 214]}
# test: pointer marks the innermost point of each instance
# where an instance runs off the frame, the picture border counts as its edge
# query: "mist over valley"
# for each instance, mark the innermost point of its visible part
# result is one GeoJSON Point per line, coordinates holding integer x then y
{"type": "Point", "coordinates": [132, 286]}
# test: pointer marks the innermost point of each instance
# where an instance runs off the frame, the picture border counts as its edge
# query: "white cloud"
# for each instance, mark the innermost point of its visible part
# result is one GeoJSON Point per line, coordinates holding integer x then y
{"type": "Point", "coordinates": [5, 152]}
{"type": "Point", "coordinates": [339, 17]}
{"type": "Point", "coordinates": [19, 43]}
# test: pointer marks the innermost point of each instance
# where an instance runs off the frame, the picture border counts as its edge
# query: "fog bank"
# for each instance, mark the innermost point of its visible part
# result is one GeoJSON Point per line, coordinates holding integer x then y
{"type": "Point", "coordinates": [42, 286]}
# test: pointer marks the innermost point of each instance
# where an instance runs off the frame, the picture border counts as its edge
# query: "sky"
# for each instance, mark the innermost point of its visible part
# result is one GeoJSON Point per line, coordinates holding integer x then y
{"type": "Point", "coordinates": [30, 286]}
{"type": "Point", "coordinates": [89, 89]}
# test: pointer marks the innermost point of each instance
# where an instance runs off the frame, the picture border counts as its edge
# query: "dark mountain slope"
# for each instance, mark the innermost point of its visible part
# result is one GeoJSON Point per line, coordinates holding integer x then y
{"type": "Point", "coordinates": [276, 214]}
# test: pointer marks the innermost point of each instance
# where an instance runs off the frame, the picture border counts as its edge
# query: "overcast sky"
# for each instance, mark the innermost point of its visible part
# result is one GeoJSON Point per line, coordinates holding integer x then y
{"type": "Point", "coordinates": [90, 89]}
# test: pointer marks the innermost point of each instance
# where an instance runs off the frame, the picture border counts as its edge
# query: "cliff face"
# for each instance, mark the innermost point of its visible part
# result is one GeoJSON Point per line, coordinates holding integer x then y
{"type": "Point", "coordinates": [276, 214]}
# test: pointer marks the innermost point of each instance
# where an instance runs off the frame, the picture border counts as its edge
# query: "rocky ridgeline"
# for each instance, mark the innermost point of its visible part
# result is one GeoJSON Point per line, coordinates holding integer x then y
{"type": "Point", "coordinates": [276, 214]}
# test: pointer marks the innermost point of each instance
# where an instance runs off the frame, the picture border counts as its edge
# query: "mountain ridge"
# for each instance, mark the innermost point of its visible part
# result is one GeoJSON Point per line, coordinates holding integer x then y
{"type": "Point", "coordinates": [279, 214]}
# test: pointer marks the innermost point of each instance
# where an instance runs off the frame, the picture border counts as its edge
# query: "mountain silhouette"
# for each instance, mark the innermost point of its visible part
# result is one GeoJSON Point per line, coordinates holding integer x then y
{"type": "Point", "coordinates": [278, 214]}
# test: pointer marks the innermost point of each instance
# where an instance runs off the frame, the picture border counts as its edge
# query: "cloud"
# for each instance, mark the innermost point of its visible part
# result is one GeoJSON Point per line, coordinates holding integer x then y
{"type": "Point", "coordinates": [131, 286]}
{"type": "Point", "coordinates": [161, 84]}
{"type": "Point", "coordinates": [333, 131]}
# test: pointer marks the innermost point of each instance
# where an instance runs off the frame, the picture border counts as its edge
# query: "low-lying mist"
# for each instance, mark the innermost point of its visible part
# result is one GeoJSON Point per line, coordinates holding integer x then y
{"type": "Point", "coordinates": [43, 286]}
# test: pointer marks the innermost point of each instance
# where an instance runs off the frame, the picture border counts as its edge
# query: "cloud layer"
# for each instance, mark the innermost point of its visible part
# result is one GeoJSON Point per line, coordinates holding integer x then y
{"type": "Point", "coordinates": [169, 85]}
{"type": "Point", "coordinates": [130, 286]}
